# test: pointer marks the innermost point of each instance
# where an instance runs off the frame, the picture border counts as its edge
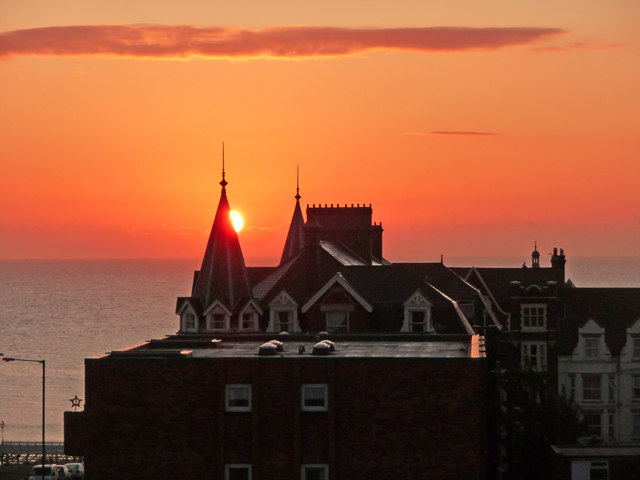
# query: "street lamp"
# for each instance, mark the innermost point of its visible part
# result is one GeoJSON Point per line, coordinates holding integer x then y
{"type": "Point", "coordinates": [11, 359]}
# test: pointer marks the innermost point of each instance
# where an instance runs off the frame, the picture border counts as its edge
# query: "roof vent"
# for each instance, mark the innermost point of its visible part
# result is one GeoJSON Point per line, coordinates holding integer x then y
{"type": "Point", "coordinates": [332, 346]}
{"type": "Point", "coordinates": [278, 344]}
{"type": "Point", "coordinates": [267, 349]}
{"type": "Point", "coordinates": [321, 348]}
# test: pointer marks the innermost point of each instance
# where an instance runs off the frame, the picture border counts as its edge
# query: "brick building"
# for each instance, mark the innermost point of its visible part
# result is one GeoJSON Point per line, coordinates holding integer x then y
{"type": "Point", "coordinates": [379, 407]}
{"type": "Point", "coordinates": [402, 392]}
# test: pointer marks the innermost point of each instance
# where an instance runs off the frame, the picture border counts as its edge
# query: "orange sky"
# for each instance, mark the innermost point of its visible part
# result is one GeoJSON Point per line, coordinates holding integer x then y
{"type": "Point", "coordinates": [472, 128]}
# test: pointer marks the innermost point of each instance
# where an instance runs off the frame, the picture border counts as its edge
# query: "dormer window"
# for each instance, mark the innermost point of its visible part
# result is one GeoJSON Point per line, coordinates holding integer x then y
{"type": "Point", "coordinates": [249, 318]}
{"type": "Point", "coordinates": [533, 317]}
{"type": "Point", "coordinates": [189, 322]}
{"type": "Point", "coordinates": [591, 349]}
{"type": "Point", "coordinates": [337, 321]}
{"type": "Point", "coordinates": [188, 319]}
{"type": "Point", "coordinates": [217, 317]}
{"type": "Point", "coordinates": [283, 314]}
{"type": "Point", "coordinates": [417, 314]}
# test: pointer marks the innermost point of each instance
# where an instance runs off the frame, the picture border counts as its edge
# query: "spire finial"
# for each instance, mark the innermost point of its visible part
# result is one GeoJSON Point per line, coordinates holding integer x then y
{"type": "Point", "coordinates": [223, 182]}
{"type": "Point", "coordinates": [298, 182]}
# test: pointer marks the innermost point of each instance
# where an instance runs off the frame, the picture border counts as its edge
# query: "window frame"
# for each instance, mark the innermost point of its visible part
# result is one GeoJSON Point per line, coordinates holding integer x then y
{"type": "Point", "coordinates": [314, 408]}
{"type": "Point", "coordinates": [342, 328]}
{"type": "Point", "coordinates": [635, 348]}
{"type": "Point", "coordinates": [323, 466]}
{"type": "Point", "coordinates": [526, 317]}
{"type": "Point", "coordinates": [592, 398]}
{"type": "Point", "coordinates": [229, 466]}
{"type": "Point", "coordinates": [593, 429]}
{"type": "Point", "coordinates": [228, 388]}
{"type": "Point", "coordinates": [540, 364]}
{"type": "Point", "coordinates": [591, 347]}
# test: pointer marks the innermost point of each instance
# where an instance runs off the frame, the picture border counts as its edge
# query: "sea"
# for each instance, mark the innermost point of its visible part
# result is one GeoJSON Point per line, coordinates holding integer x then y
{"type": "Point", "coordinates": [64, 311]}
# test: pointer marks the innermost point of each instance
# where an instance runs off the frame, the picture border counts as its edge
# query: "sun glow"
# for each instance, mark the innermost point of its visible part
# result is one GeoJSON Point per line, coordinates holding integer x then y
{"type": "Point", "coordinates": [237, 220]}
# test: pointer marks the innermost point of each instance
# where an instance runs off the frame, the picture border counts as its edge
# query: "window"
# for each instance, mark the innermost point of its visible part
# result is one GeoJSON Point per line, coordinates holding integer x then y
{"type": "Point", "coordinates": [572, 386]}
{"type": "Point", "coordinates": [238, 398]}
{"type": "Point", "coordinates": [337, 321]}
{"type": "Point", "coordinates": [218, 321]}
{"type": "Point", "coordinates": [237, 472]}
{"type": "Point", "coordinates": [283, 314]}
{"type": "Point", "coordinates": [249, 321]}
{"type": "Point", "coordinates": [611, 425]}
{"type": "Point", "coordinates": [592, 422]}
{"type": "Point", "coordinates": [591, 388]}
{"type": "Point", "coordinates": [189, 320]}
{"type": "Point", "coordinates": [314, 397]}
{"type": "Point", "coordinates": [636, 426]}
{"type": "Point", "coordinates": [612, 387]}
{"type": "Point", "coordinates": [533, 317]}
{"type": "Point", "coordinates": [591, 349]}
{"type": "Point", "coordinates": [534, 356]}
{"type": "Point", "coordinates": [417, 314]}
{"type": "Point", "coordinates": [599, 471]}
{"type": "Point", "coordinates": [635, 392]}
{"type": "Point", "coordinates": [636, 348]}
{"type": "Point", "coordinates": [315, 472]}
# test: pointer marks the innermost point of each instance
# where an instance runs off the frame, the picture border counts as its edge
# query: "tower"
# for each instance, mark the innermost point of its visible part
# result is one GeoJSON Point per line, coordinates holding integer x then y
{"type": "Point", "coordinates": [295, 237]}
{"type": "Point", "coordinates": [220, 297]}
{"type": "Point", "coordinates": [535, 256]}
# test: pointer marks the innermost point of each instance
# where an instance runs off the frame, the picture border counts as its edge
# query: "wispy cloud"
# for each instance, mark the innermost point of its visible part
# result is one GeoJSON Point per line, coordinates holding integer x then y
{"type": "Point", "coordinates": [162, 41]}
{"type": "Point", "coordinates": [454, 132]}
{"type": "Point", "coordinates": [582, 46]}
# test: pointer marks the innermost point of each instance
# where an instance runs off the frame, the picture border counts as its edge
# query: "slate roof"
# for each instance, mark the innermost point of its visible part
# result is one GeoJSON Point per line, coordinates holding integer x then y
{"type": "Point", "coordinates": [222, 275]}
{"type": "Point", "coordinates": [616, 309]}
{"type": "Point", "coordinates": [295, 236]}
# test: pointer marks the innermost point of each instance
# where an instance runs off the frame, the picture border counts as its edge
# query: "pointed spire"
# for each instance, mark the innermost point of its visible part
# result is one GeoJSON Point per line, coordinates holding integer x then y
{"type": "Point", "coordinates": [223, 275]}
{"type": "Point", "coordinates": [223, 182]}
{"type": "Point", "coordinates": [295, 237]}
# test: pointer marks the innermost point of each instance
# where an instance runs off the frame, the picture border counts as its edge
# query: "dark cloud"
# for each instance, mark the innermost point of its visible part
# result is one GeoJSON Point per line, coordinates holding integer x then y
{"type": "Point", "coordinates": [161, 41]}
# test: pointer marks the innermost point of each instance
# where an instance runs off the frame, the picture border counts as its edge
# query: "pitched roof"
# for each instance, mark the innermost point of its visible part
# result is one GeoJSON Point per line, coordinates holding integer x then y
{"type": "Point", "coordinates": [222, 275]}
{"type": "Point", "coordinates": [295, 237]}
{"type": "Point", "coordinates": [616, 309]}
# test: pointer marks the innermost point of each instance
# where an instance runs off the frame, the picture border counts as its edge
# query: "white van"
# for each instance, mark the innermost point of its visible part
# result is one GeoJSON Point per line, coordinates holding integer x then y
{"type": "Point", "coordinates": [48, 472]}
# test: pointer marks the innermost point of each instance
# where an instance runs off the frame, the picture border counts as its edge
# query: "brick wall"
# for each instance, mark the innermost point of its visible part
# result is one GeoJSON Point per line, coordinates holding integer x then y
{"type": "Point", "coordinates": [389, 418]}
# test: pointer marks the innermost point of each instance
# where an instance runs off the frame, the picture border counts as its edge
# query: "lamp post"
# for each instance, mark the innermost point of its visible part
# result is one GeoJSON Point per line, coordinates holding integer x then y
{"type": "Point", "coordinates": [11, 359]}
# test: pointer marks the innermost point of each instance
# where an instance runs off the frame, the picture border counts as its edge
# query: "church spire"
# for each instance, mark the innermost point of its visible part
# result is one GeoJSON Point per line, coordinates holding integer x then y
{"type": "Point", "coordinates": [295, 237]}
{"type": "Point", "coordinates": [222, 276]}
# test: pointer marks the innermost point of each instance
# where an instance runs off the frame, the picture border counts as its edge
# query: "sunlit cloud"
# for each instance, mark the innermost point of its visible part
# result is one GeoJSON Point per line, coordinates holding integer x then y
{"type": "Point", "coordinates": [582, 46]}
{"type": "Point", "coordinates": [162, 41]}
{"type": "Point", "coordinates": [454, 133]}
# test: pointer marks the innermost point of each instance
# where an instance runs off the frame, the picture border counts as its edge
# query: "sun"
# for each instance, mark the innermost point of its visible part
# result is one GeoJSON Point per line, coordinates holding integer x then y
{"type": "Point", "coordinates": [237, 220]}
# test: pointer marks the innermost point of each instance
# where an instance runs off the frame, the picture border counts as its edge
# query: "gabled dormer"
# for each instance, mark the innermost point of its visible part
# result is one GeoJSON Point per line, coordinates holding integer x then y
{"type": "Point", "coordinates": [218, 317]}
{"type": "Point", "coordinates": [591, 342]}
{"type": "Point", "coordinates": [417, 314]}
{"type": "Point", "coordinates": [283, 314]}
{"type": "Point", "coordinates": [249, 317]}
{"type": "Point", "coordinates": [189, 317]}
{"type": "Point", "coordinates": [337, 308]}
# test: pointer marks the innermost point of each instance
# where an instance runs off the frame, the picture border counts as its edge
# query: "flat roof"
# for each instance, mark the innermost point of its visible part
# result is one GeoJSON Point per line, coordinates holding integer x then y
{"type": "Point", "coordinates": [407, 346]}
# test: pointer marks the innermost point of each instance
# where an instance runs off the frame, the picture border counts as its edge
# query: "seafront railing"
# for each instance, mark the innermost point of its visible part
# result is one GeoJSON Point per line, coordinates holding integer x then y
{"type": "Point", "coordinates": [12, 452]}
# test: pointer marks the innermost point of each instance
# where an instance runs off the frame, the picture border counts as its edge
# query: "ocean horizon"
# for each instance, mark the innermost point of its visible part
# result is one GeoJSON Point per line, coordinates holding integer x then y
{"type": "Point", "coordinates": [64, 311]}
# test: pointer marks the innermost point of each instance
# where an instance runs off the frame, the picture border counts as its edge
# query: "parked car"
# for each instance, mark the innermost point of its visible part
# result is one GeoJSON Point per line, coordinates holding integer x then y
{"type": "Point", "coordinates": [48, 472]}
{"type": "Point", "coordinates": [76, 470]}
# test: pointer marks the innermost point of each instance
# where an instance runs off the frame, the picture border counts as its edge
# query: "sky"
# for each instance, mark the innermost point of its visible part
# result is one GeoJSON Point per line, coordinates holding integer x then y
{"type": "Point", "coordinates": [472, 128]}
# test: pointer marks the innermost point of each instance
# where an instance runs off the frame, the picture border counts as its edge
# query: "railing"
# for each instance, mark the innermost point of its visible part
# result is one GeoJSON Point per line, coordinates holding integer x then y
{"type": "Point", "coordinates": [31, 452]}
